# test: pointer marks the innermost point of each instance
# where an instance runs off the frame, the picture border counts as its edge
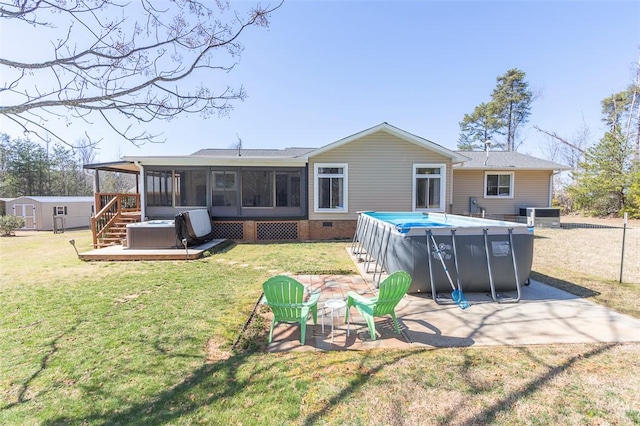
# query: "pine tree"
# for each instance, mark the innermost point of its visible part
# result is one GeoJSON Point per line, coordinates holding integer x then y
{"type": "Point", "coordinates": [604, 179]}
{"type": "Point", "coordinates": [478, 128]}
{"type": "Point", "coordinates": [512, 100]}
{"type": "Point", "coordinates": [506, 112]}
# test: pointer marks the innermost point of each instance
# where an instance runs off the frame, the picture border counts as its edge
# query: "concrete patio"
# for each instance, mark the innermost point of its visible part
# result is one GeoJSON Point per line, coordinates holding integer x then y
{"type": "Point", "coordinates": [544, 315]}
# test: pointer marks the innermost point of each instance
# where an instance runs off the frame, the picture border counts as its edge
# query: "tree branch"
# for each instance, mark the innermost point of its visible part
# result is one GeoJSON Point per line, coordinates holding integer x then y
{"type": "Point", "coordinates": [555, 136]}
{"type": "Point", "coordinates": [140, 72]}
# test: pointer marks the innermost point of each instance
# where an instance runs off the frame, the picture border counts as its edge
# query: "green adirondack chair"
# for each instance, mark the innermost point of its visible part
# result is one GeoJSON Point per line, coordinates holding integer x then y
{"type": "Point", "coordinates": [391, 291]}
{"type": "Point", "coordinates": [285, 296]}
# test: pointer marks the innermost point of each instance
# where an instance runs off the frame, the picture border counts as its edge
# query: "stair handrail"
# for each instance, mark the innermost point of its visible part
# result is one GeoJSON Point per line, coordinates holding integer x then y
{"type": "Point", "coordinates": [98, 223]}
{"type": "Point", "coordinates": [118, 203]}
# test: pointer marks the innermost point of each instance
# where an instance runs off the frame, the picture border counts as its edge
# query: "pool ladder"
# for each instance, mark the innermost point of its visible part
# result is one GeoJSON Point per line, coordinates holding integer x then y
{"type": "Point", "coordinates": [370, 243]}
{"type": "Point", "coordinates": [497, 297]}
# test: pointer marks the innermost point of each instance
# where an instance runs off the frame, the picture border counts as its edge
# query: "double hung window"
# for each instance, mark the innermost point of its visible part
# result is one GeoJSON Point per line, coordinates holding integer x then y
{"type": "Point", "coordinates": [498, 185]}
{"type": "Point", "coordinates": [330, 187]}
{"type": "Point", "coordinates": [429, 187]}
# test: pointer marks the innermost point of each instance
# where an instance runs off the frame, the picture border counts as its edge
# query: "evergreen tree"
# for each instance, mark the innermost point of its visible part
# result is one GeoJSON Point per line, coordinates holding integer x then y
{"type": "Point", "coordinates": [512, 100]}
{"type": "Point", "coordinates": [604, 179]}
{"type": "Point", "coordinates": [633, 200]}
{"type": "Point", "coordinates": [28, 169]}
{"type": "Point", "coordinates": [478, 128]}
{"type": "Point", "coordinates": [506, 112]}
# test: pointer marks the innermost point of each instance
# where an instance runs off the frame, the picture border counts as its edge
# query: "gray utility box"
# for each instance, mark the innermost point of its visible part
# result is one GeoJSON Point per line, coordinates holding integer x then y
{"type": "Point", "coordinates": [542, 217]}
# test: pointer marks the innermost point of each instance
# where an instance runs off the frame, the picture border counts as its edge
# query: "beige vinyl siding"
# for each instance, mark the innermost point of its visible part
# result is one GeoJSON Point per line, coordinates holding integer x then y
{"type": "Point", "coordinates": [530, 189]}
{"type": "Point", "coordinates": [380, 174]}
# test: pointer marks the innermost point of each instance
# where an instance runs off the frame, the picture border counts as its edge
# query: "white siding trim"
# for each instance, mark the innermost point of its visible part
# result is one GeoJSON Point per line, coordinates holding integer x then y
{"type": "Point", "coordinates": [443, 186]}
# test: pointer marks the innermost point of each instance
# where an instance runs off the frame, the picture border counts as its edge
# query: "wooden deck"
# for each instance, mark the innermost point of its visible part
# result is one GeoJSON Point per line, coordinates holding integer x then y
{"type": "Point", "coordinates": [119, 253]}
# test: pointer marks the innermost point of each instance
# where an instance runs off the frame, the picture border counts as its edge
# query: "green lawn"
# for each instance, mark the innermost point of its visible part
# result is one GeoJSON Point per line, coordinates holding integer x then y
{"type": "Point", "coordinates": [150, 343]}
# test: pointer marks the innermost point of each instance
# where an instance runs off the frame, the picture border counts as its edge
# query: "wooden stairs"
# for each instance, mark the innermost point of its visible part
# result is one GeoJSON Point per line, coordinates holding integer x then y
{"type": "Point", "coordinates": [116, 233]}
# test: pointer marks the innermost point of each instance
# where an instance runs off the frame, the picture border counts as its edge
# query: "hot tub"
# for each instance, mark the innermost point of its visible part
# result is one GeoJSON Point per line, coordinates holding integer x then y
{"type": "Point", "coordinates": [153, 234]}
{"type": "Point", "coordinates": [491, 255]}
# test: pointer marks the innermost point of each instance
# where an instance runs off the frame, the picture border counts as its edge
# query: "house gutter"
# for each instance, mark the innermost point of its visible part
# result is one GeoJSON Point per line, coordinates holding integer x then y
{"type": "Point", "coordinates": [553, 174]}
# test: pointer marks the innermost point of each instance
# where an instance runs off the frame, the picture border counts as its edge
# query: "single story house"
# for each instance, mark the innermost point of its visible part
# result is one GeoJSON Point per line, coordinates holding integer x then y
{"type": "Point", "coordinates": [39, 213]}
{"type": "Point", "coordinates": [316, 193]}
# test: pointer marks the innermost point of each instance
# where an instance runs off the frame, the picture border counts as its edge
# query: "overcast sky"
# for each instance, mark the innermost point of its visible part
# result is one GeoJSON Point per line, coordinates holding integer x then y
{"type": "Point", "coordinates": [325, 70]}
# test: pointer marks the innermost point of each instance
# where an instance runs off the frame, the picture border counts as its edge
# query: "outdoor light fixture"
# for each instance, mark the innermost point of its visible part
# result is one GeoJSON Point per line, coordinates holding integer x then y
{"type": "Point", "coordinates": [73, 243]}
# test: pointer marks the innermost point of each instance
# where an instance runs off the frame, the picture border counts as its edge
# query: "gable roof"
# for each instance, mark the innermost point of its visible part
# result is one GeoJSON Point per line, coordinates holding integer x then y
{"type": "Point", "coordinates": [494, 160]}
{"type": "Point", "coordinates": [388, 128]}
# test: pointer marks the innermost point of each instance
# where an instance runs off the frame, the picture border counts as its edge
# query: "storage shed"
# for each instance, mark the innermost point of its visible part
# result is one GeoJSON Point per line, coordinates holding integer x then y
{"type": "Point", "coordinates": [39, 212]}
{"type": "Point", "coordinates": [3, 205]}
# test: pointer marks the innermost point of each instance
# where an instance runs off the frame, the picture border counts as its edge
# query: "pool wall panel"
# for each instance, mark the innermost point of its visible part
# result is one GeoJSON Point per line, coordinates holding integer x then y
{"type": "Point", "coordinates": [409, 252]}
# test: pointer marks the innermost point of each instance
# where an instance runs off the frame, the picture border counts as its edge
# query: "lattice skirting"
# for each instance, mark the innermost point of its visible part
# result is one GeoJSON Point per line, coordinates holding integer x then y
{"type": "Point", "coordinates": [292, 230]}
{"type": "Point", "coordinates": [276, 231]}
{"type": "Point", "coordinates": [228, 230]}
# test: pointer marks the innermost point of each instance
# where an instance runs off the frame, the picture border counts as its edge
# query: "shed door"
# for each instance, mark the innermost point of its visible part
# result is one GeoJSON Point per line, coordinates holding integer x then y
{"type": "Point", "coordinates": [28, 212]}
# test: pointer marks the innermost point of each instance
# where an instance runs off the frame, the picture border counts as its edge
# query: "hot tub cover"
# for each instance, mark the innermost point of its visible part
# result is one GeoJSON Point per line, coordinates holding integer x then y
{"type": "Point", "coordinates": [194, 226]}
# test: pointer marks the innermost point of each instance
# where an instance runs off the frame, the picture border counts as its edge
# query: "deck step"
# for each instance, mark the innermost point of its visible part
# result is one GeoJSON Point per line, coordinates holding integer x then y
{"type": "Point", "coordinates": [111, 240]}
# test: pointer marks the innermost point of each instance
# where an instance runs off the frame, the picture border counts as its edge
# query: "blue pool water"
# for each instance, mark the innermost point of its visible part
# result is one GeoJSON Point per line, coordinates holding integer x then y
{"type": "Point", "coordinates": [404, 222]}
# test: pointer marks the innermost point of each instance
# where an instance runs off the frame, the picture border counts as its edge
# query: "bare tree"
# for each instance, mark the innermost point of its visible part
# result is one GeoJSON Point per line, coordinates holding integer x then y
{"type": "Point", "coordinates": [634, 90]}
{"type": "Point", "coordinates": [143, 60]}
{"type": "Point", "coordinates": [237, 145]}
{"type": "Point", "coordinates": [568, 150]}
{"type": "Point", "coordinates": [87, 151]}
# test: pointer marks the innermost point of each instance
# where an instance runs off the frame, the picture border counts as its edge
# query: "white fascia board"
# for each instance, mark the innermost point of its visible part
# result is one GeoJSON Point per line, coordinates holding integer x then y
{"type": "Point", "coordinates": [195, 161]}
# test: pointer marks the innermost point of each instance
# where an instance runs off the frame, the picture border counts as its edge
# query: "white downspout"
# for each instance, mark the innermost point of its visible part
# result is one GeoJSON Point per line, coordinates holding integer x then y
{"type": "Point", "coordinates": [451, 191]}
{"type": "Point", "coordinates": [551, 188]}
{"type": "Point", "coordinates": [143, 192]}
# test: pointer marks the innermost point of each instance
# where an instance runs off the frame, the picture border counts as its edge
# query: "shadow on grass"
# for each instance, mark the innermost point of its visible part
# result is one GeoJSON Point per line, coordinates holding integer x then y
{"type": "Point", "coordinates": [507, 403]}
{"type": "Point", "coordinates": [567, 286]}
{"type": "Point", "coordinates": [44, 362]}
{"type": "Point", "coordinates": [355, 384]}
{"type": "Point", "coordinates": [205, 385]}
{"type": "Point", "coordinates": [212, 383]}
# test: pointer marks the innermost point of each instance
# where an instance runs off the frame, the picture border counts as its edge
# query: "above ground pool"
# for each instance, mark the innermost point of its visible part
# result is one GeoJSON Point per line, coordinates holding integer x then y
{"type": "Point", "coordinates": [480, 255]}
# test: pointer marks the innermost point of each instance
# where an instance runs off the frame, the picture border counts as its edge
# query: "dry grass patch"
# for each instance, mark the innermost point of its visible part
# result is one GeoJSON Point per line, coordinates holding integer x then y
{"type": "Point", "coordinates": [586, 262]}
{"type": "Point", "coordinates": [591, 251]}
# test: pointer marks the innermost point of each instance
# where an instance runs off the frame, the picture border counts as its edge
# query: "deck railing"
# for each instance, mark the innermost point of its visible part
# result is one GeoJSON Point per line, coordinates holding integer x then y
{"type": "Point", "coordinates": [110, 208]}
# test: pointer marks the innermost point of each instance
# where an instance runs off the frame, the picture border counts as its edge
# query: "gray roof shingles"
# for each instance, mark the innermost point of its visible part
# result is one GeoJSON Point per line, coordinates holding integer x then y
{"type": "Point", "coordinates": [506, 160]}
{"type": "Point", "coordinates": [478, 159]}
{"type": "Point", "coordinates": [283, 153]}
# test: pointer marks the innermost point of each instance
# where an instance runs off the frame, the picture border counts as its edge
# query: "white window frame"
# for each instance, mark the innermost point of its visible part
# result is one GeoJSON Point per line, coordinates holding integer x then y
{"type": "Point", "coordinates": [61, 210]}
{"type": "Point", "coordinates": [511, 184]}
{"type": "Point", "coordinates": [443, 185]}
{"type": "Point", "coordinates": [345, 185]}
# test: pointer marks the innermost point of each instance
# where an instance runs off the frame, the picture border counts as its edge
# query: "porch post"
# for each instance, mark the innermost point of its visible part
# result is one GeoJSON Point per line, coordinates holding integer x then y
{"type": "Point", "coordinates": [96, 182]}
{"type": "Point", "coordinates": [142, 192]}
